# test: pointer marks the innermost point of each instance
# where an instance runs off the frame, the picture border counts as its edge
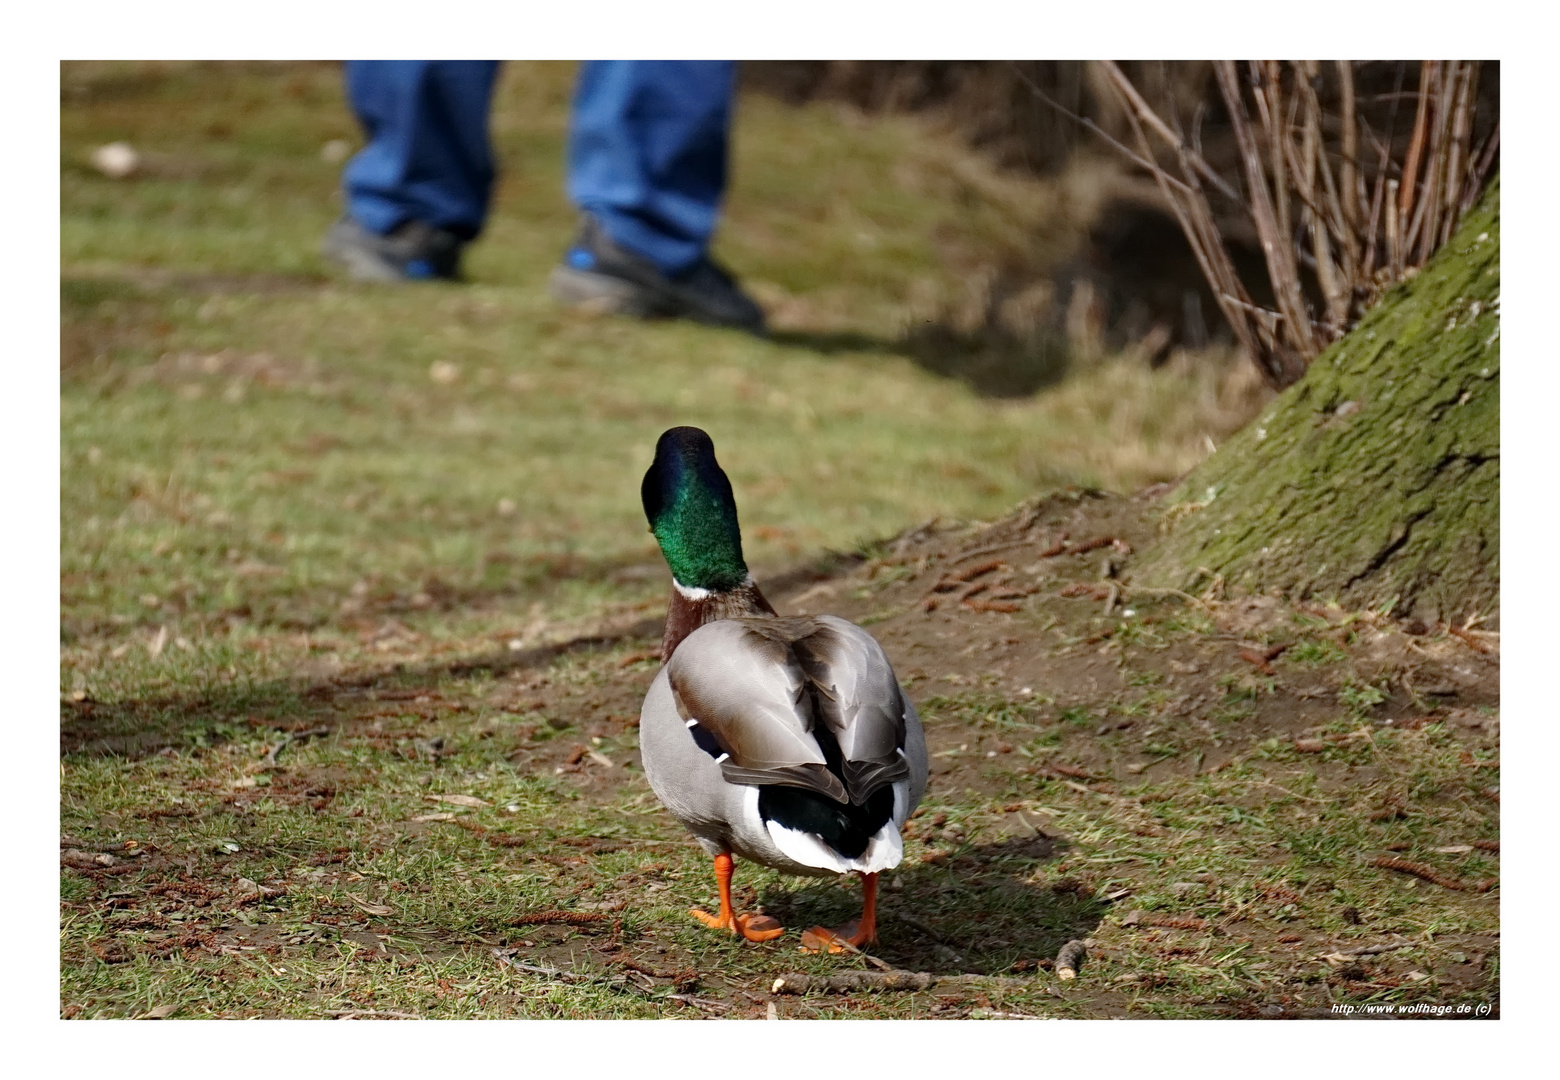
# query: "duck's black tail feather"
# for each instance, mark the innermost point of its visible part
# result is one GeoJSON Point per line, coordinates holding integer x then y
{"type": "Point", "coordinates": [846, 828]}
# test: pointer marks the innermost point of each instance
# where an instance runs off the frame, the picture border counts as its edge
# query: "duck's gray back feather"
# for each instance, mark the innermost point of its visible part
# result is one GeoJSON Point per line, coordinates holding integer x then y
{"type": "Point", "coordinates": [858, 698]}
{"type": "Point", "coordinates": [762, 687]}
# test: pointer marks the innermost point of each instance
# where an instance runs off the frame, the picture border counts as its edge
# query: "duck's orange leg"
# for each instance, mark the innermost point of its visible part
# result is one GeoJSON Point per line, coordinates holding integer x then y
{"type": "Point", "coordinates": [752, 927]}
{"type": "Point", "coordinates": [857, 932]}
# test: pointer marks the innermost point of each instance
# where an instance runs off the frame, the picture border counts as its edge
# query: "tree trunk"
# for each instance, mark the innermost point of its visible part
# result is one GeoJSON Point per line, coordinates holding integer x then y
{"type": "Point", "coordinates": [1375, 480]}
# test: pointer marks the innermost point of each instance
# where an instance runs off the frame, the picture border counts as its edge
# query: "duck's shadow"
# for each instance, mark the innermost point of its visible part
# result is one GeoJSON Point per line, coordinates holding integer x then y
{"type": "Point", "coordinates": [988, 909]}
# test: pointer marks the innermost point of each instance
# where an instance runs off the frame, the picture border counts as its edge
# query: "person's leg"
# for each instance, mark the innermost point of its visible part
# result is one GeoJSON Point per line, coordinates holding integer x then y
{"type": "Point", "coordinates": [647, 154]}
{"type": "Point", "coordinates": [420, 189]}
{"type": "Point", "coordinates": [647, 168]}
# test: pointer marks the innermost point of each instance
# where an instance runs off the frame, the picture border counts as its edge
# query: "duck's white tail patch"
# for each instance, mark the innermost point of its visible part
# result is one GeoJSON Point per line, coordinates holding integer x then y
{"type": "Point", "coordinates": [884, 850]}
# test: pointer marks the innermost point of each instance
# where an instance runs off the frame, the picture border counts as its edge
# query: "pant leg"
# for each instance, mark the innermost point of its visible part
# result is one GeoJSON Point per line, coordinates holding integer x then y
{"type": "Point", "coordinates": [427, 157]}
{"type": "Point", "coordinates": [647, 153]}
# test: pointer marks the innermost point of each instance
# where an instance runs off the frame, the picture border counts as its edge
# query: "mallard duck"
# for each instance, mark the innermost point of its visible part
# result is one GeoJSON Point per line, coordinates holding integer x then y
{"type": "Point", "coordinates": [786, 740]}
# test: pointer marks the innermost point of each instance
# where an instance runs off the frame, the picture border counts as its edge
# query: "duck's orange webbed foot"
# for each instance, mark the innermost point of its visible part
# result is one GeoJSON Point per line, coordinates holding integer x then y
{"type": "Point", "coordinates": [854, 934]}
{"type": "Point", "coordinates": [751, 927]}
{"type": "Point", "coordinates": [714, 922]}
{"type": "Point", "coordinates": [822, 939]}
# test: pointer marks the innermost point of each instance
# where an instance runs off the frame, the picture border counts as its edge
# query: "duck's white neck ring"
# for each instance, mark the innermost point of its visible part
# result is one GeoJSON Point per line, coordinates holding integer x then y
{"type": "Point", "coordinates": [693, 592]}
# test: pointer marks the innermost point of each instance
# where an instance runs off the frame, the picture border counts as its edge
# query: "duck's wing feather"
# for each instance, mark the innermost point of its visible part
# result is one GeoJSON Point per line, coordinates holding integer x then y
{"type": "Point", "coordinates": [858, 699]}
{"type": "Point", "coordinates": [787, 698]}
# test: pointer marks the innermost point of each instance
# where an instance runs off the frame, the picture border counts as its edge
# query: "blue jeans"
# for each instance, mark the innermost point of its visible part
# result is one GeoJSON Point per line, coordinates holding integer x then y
{"type": "Point", "coordinates": [647, 149]}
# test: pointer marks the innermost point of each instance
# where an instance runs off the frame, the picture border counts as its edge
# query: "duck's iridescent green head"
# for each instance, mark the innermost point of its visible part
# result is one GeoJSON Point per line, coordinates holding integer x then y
{"type": "Point", "coordinates": [692, 512]}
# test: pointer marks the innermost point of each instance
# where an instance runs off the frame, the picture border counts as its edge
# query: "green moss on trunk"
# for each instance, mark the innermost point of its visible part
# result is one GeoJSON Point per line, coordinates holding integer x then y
{"type": "Point", "coordinates": [1376, 478]}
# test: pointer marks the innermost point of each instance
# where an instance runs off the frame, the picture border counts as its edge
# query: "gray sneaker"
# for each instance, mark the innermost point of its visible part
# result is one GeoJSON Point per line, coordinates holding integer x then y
{"type": "Point", "coordinates": [414, 251]}
{"type": "Point", "coordinates": [598, 275]}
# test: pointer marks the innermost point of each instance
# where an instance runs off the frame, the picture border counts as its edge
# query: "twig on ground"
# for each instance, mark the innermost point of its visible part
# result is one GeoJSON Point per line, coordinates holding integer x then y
{"type": "Point", "coordinates": [707, 1004]}
{"type": "Point", "coordinates": [1164, 922]}
{"type": "Point", "coordinates": [1428, 873]}
{"type": "Point", "coordinates": [950, 582]}
{"type": "Point", "coordinates": [1006, 606]}
{"type": "Point", "coordinates": [995, 982]}
{"type": "Point", "coordinates": [1258, 661]}
{"type": "Point", "coordinates": [1374, 950]}
{"type": "Point", "coordinates": [533, 969]}
{"type": "Point", "coordinates": [1342, 956]}
{"type": "Point", "coordinates": [1099, 542]}
{"type": "Point", "coordinates": [1188, 597]}
{"type": "Point", "coordinates": [683, 981]}
{"type": "Point", "coordinates": [352, 1014]}
{"type": "Point", "coordinates": [290, 737]}
{"type": "Point", "coordinates": [845, 982]}
{"type": "Point", "coordinates": [974, 590]}
{"type": "Point", "coordinates": [504, 956]}
{"type": "Point", "coordinates": [970, 573]}
{"type": "Point", "coordinates": [881, 965]}
{"type": "Point", "coordinates": [569, 918]}
{"type": "Point", "coordinates": [1069, 959]}
{"type": "Point", "coordinates": [1472, 642]}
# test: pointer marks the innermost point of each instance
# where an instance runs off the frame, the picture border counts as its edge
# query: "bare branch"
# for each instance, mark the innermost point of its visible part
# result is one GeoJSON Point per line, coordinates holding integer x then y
{"type": "Point", "coordinates": [1144, 163]}
{"type": "Point", "coordinates": [1299, 157]}
{"type": "Point", "coordinates": [1280, 260]}
{"type": "Point", "coordinates": [1416, 143]}
{"type": "Point", "coordinates": [1482, 170]}
{"type": "Point", "coordinates": [1345, 234]}
{"type": "Point", "coordinates": [1394, 241]}
{"type": "Point", "coordinates": [1462, 133]}
{"type": "Point", "coordinates": [1308, 162]}
{"type": "Point", "coordinates": [1265, 114]}
{"type": "Point", "coordinates": [1124, 87]}
{"type": "Point", "coordinates": [1368, 263]}
{"type": "Point", "coordinates": [1192, 213]}
{"type": "Point", "coordinates": [1427, 215]}
{"type": "Point", "coordinates": [1353, 188]}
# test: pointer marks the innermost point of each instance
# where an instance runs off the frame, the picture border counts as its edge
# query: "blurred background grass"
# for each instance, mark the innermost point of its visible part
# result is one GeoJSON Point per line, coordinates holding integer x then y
{"type": "Point", "coordinates": [264, 466]}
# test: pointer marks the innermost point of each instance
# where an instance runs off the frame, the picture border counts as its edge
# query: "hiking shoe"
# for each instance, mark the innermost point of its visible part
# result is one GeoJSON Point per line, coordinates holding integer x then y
{"type": "Point", "coordinates": [598, 275]}
{"type": "Point", "coordinates": [413, 251]}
